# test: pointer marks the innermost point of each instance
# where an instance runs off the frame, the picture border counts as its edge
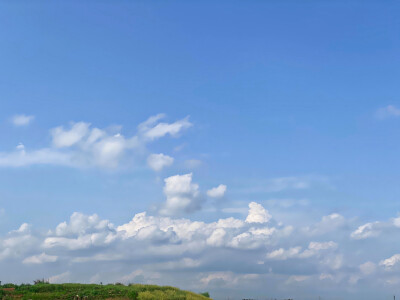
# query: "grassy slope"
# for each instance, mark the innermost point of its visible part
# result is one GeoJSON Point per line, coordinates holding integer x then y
{"type": "Point", "coordinates": [94, 291]}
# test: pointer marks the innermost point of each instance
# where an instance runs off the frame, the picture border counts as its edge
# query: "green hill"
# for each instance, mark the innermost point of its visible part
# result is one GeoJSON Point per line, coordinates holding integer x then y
{"type": "Point", "coordinates": [76, 291]}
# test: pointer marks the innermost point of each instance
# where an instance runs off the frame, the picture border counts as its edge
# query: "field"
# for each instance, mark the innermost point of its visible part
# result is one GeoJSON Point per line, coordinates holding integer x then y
{"type": "Point", "coordinates": [76, 291]}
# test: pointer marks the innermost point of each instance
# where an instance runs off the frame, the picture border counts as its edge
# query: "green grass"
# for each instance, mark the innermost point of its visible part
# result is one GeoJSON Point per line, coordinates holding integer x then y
{"type": "Point", "coordinates": [45, 291]}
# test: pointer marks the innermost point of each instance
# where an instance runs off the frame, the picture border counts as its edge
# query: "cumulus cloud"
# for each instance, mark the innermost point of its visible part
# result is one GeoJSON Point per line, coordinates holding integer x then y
{"type": "Point", "coordinates": [82, 145]}
{"type": "Point", "coordinates": [22, 120]}
{"type": "Point", "coordinates": [86, 238]}
{"type": "Point", "coordinates": [159, 161]}
{"type": "Point", "coordinates": [257, 214]}
{"type": "Point", "coordinates": [18, 242]}
{"type": "Point", "coordinates": [81, 232]}
{"type": "Point", "coordinates": [182, 195]}
{"type": "Point", "coordinates": [217, 192]}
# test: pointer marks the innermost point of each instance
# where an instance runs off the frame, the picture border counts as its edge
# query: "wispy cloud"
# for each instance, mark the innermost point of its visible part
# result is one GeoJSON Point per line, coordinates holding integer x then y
{"type": "Point", "coordinates": [279, 184]}
{"type": "Point", "coordinates": [40, 259]}
{"type": "Point", "coordinates": [387, 112]}
{"type": "Point", "coordinates": [22, 120]}
{"type": "Point", "coordinates": [192, 164]}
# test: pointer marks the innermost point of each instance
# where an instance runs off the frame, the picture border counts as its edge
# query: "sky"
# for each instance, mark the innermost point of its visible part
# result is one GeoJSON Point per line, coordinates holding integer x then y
{"type": "Point", "coordinates": [245, 148]}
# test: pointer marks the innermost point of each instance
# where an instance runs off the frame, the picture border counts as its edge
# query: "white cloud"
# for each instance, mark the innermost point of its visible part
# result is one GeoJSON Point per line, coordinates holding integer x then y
{"type": "Point", "coordinates": [396, 222]}
{"type": "Point", "coordinates": [159, 161]}
{"type": "Point", "coordinates": [17, 242]}
{"type": "Point", "coordinates": [183, 196]}
{"type": "Point", "coordinates": [217, 192]}
{"type": "Point", "coordinates": [390, 262]}
{"type": "Point", "coordinates": [366, 231]}
{"type": "Point", "coordinates": [217, 237]}
{"type": "Point", "coordinates": [80, 224]}
{"type": "Point", "coordinates": [40, 259]}
{"type": "Point", "coordinates": [44, 156]}
{"type": "Point", "coordinates": [22, 120]}
{"type": "Point", "coordinates": [80, 145]}
{"type": "Point", "coordinates": [314, 248]}
{"type": "Point", "coordinates": [24, 228]}
{"type": "Point", "coordinates": [152, 130]}
{"type": "Point", "coordinates": [317, 246]}
{"type": "Point", "coordinates": [231, 233]}
{"type": "Point", "coordinates": [387, 112]}
{"type": "Point", "coordinates": [257, 214]}
{"type": "Point", "coordinates": [377, 229]}
{"type": "Point", "coordinates": [282, 254]}
{"type": "Point", "coordinates": [81, 232]}
{"type": "Point", "coordinates": [67, 138]}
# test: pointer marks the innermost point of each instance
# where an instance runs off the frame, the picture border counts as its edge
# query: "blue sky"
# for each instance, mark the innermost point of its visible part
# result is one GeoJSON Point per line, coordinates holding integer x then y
{"type": "Point", "coordinates": [291, 105]}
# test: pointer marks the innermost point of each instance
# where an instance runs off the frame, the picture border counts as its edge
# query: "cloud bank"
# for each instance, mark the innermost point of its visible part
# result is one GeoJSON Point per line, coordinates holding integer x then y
{"type": "Point", "coordinates": [228, 255]}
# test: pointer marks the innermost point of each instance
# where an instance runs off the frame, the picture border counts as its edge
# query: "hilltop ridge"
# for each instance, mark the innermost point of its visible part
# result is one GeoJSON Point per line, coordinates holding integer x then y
{"type": "Point", "coordinates": [76, 291]}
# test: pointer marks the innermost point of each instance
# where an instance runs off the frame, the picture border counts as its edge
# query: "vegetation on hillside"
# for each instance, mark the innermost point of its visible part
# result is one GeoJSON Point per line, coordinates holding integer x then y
{"type": "Point", "coordinates": [42, 291]}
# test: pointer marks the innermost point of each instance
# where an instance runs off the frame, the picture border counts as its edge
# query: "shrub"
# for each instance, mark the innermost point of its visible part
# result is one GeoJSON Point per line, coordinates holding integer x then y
{"type": "Point", "coordinates": [41, 281]}
{"type": "Point", "coordinates": [206, 294]}
{"type": "Point", "coordinates": [133, 295]}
